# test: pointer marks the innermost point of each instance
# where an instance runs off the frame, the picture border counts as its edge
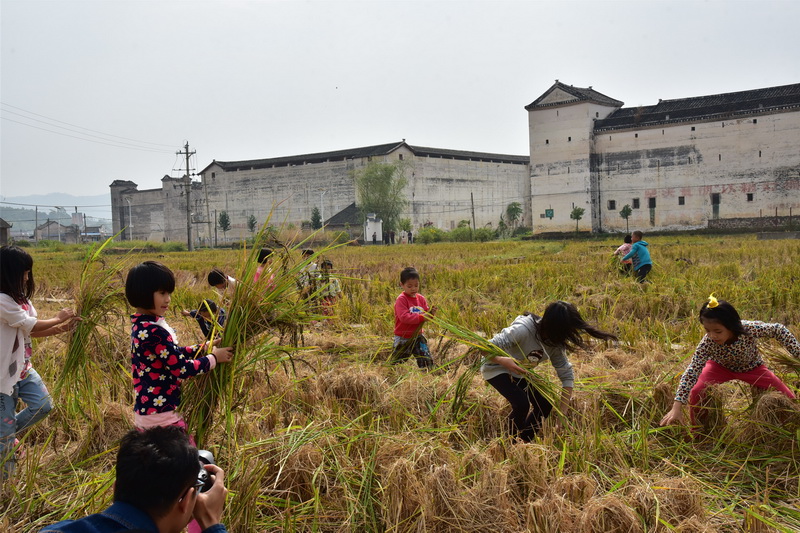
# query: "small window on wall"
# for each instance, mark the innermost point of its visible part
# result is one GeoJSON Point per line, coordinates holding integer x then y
{"type": "Point", "coordinates": [597, 114]}
{"type": "Point", "coordinates": [612, 205]}
{"type": "Point", "coordinates": [715, 198]}
{"type": "Point", "coordinates": [547, 141]}
{"type": "Point", "coordinates": [651, 203]}
{"type": "Point", "coordinates": [755, 121]}
{"type": "Point", "coordinates": [681, 200]}
{"type": "Point", "coordinates": [635, 203]}
{"type": "Point", "coordinates": [749, 197]}
{"type": "Point", "coordinates": [692, 128]}
{"type": "Point", "coordinates": [569, 139]}
{"type": "Point", "coordinates": [401, 157]}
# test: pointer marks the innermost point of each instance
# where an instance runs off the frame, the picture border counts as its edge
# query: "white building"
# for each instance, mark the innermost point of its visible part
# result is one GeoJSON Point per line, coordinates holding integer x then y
{"type": "Point", "coordinates": [444, 187]}
{"type": "Point", "coordinates": [678, 164]}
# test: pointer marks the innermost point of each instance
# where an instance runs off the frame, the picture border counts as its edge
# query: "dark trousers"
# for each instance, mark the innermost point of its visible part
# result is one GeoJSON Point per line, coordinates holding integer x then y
{"type": "Point", "coordinates": [528, 407]}
{"type": "Point", "coordinates": [642, 271]}
{"type": "Point", "coordinates": [416, 346]}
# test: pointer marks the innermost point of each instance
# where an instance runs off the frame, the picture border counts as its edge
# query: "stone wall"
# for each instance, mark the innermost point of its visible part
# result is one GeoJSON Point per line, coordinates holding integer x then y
{"type": "Point", "coordinates": [768, 222]}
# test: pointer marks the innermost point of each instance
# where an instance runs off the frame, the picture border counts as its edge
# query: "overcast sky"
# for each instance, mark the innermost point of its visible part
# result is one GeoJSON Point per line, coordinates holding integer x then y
{"type": "Point", "coordinates": [94, 91]}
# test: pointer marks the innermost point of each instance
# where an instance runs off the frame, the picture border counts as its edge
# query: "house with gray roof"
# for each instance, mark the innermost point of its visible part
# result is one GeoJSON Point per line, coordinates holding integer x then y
{"type": "Point", "coordinates": [679, 164]}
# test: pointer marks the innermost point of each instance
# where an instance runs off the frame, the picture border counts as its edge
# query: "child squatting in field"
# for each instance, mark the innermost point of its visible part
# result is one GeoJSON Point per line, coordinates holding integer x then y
{"type": "Point", "coordinates": [728, 351]}
{"type": "Point", "coordinates": [158, 364]}
{"type": "Point", "coordinates": [410, 309]}
{"type": "Point", "coordinates": [18, 378]}
{"type": "Point", "coordinates": [529, 340]}
{"type": "Point", "coordinates": [205, 315]}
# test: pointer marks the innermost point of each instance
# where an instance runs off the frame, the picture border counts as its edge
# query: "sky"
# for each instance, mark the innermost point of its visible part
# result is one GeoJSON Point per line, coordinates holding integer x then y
{"type": "Point", "coordinates": [96, 91]}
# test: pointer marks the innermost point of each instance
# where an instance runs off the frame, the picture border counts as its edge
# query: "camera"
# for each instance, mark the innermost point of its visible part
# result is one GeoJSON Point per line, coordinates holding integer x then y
{"type": "Point", "coordinates": [204, 481]}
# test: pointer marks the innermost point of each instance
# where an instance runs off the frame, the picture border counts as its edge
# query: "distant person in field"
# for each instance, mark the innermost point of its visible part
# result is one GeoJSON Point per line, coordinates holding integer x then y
{"type": "Point", "coordinates": [205, 315]}
{"type": "Point", "coordinates": [329, 288]}
{"type": "Point", "coordinates": [264, 259]}
{"type": "Point", "coordinates": [640, 256]}
{"type": "Point", "coordinates": [307, 280]}
{"type": "Point", "coordinates": [728, 351]}
{"type": "Point", "coordinates": [625, 264]}
{"type": "Point", "coordinates": [18, 379]}
{"type": "Point", "coordinates": [157, 489]}
{"type": "Point", "coordinates": [221, 281]}
{"type": "Point", "coordinates": [529, 340]}
{"type": "Point", "coordinates": [410, 312]}
{"type": "Point", "coordinates": [158, 364]}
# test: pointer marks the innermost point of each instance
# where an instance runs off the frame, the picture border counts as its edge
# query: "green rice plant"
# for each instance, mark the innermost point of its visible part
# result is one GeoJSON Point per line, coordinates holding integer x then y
{"type": "Point", "coordinates": [264, 304]}
{"type": "Point", "coordinates": [100, 303]}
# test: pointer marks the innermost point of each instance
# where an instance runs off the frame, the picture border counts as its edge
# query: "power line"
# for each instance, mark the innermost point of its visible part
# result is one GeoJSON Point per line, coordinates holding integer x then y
{"type": "Point", "coordinates": [80, 127]}
{"type": "Point", "coordinates": [87, 140]}
{"type": "Point", "coordinates": [54, 206]}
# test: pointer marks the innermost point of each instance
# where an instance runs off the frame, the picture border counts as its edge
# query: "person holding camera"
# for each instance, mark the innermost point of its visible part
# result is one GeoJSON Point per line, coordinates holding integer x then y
{"type": "Point", "coordinates": [160, 485]}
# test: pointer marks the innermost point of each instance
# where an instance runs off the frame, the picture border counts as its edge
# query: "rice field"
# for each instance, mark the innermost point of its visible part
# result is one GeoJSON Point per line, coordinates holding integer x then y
{"type": "Point", "coordinates": [317, 432]}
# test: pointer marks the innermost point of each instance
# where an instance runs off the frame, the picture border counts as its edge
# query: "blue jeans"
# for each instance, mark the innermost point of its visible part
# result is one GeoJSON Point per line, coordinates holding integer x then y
{"type": "Point", "coordinates": [38, 404]}
{"type": "Point", "coordinates": [8, 431]}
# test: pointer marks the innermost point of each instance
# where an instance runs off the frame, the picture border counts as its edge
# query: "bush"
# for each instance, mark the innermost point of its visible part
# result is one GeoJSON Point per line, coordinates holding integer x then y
{"type": "Point", "coordinates": [461, 234]}
{"type": "Point", "coordinates": [174, 247]}
{"type": "Point", "coordinates": [429, 235]}
{"type": "Point", "coordinates": [484, 234]}
{"type": "Point", "coordinates": [522, 231]}
{"type": "Point", "coordinates": [22, 243]}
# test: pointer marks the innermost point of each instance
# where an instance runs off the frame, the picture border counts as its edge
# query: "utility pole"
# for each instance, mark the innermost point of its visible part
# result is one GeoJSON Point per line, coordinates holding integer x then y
{"type": "Point", "coordinates": [472, 201]}
{"type": "Point", "coordinates": [188, 183]}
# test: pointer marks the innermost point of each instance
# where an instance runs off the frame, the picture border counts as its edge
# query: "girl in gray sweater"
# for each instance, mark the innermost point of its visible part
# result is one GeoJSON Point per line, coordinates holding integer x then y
{"type": "Point", "coordinates": [529, 340]}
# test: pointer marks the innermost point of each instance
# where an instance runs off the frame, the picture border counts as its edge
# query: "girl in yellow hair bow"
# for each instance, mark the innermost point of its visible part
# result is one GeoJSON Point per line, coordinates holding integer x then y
{"type": "Point", "coordinates": [728, 351]}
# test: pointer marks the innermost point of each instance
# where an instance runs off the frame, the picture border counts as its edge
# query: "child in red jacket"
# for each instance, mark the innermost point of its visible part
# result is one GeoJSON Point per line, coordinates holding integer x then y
{"type": "Point", "coordinates": [410, 310]}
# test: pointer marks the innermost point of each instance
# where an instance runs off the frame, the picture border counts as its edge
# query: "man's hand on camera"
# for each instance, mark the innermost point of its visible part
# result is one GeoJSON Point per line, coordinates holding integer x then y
{"type": "Point", "coordinates": [208, 508]}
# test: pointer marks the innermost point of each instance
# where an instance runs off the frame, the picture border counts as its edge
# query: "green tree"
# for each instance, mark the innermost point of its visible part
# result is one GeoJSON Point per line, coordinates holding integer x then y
{"type": "Point", "coordinates": [502, 227]}
{"type": "Point", "coordinates": [577, 215]}
{"type": "Point", "coordinates": [316, 218]}
{"type": "Point", "coordinates": [252, 223]}
{"type": "Point", "coordinates": [513, 213]}
{"type": "Point", "coordinates": [379, 188]}
{"type": "Point", "coordinates": [404, 224]}
{"type": "Point", "coordinates": [625, 213]}
{"type": "Point", "coordinates": [224, 223]}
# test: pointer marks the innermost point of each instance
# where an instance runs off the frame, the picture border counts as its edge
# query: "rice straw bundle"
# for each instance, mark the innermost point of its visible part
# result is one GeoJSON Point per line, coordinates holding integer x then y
{"type": "Point", "coordinates": [100, 303]}
{"type": "Point", "coordinates": [258, 310]}
{"type": "Point", "coordinates": [483, 346]}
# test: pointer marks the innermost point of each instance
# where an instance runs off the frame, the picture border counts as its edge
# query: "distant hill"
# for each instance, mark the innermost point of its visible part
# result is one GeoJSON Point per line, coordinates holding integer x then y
{"type": "Point", "coordinates": [20, 211]}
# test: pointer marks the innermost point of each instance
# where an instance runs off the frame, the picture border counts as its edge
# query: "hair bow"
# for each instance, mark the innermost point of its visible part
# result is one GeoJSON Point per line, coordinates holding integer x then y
{"type": "Point", "coordinates": [712, 302]}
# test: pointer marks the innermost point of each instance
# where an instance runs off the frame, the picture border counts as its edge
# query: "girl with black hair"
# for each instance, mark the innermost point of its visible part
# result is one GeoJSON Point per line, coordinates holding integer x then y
{"type": "Point", "coordinates": [18, 378]}
{"type": "Point", "coordinates": [158, 364]}
{"type": "Point", "coordinates": [728, 351]}
{"type": "Point", "coordinates": [528, 341]}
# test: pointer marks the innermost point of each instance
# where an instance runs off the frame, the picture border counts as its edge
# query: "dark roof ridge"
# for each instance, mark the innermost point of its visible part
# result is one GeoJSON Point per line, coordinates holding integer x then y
{"type": "Point", "coordinates": [734, 93]}
{"type": "Point", "coordinates": [581, 94]}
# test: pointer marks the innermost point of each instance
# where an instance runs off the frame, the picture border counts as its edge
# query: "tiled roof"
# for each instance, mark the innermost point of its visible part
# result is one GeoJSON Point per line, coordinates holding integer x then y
{"type": "Point", "coordinates": [699, 108]}
{"type": "Point", "coordinates": [348, 215]}
{"type": "Point", "coordinates": [367, 151]}
{"type": "Point", "coordinates": [581, 94]}
{"type": "Point", "coordinates": [421, 151]}
{"type": "Point", "coordinates": [337, 155]}
{"type": "Point", "coordinates": [4, 224]}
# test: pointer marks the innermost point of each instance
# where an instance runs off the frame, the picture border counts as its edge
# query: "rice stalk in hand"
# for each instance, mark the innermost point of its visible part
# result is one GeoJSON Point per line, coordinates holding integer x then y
{"type": "Point", "coordinates": [489, 351]}
{"type": "Point", "coordinates": [265, 301]}
{"type": "Point", "coordinates": [100, 303]}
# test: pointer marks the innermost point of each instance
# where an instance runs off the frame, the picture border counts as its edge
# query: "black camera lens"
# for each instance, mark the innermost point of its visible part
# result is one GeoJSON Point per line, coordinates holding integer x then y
{"type": "Point", "coordinates": [204, 481]}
